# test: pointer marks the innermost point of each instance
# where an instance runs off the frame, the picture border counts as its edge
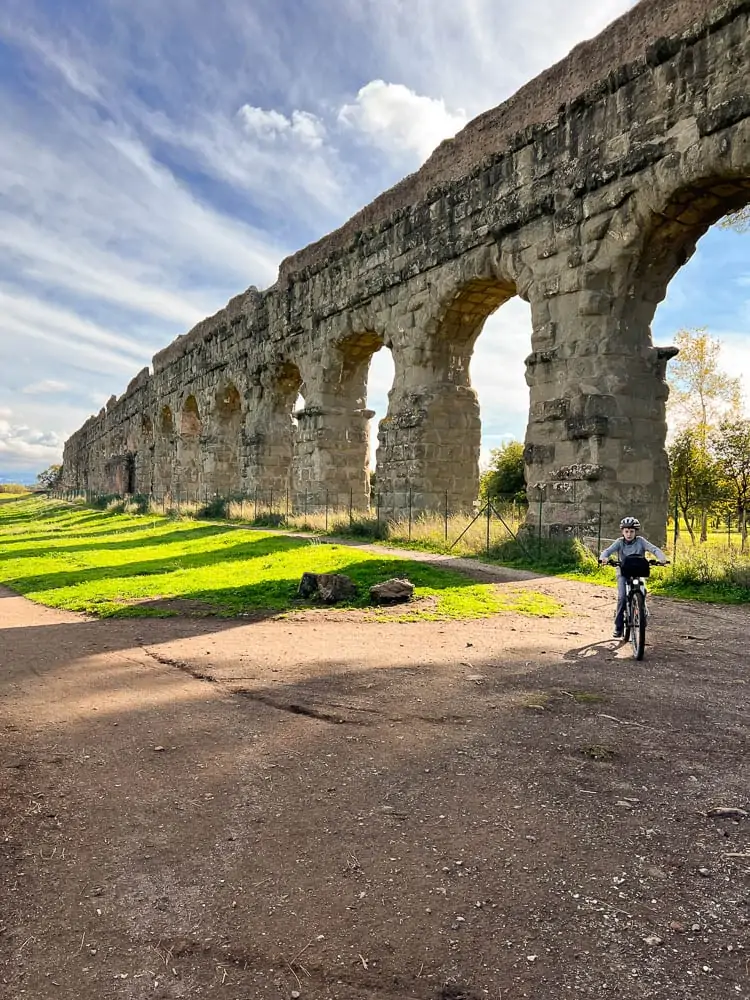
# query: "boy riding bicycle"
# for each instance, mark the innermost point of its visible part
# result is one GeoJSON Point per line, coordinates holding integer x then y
{"type": "Point", "coordinates": [631, 544]}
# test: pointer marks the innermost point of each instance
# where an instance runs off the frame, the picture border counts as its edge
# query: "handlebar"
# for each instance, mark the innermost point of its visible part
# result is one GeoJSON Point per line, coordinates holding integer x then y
{"type": "Point", "coordinates": [616, 562]}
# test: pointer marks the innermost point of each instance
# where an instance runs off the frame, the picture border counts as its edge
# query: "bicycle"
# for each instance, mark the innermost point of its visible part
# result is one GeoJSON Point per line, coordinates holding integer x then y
{"type": "Point", "coordinates": [636, 570]}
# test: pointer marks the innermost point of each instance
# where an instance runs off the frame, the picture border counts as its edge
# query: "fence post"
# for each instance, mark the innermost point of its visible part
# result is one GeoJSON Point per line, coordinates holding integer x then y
{"type": "Point", "coordinates": [599, 532]}
{"type": "Point", "coordinates": [676, 532]}
{"type": "Point", "coordinates": [410, 513]}
{"type": "Point", "coordinates": [350, 514]}
{"type": "Point", "coordinates": [539, 527]}
{"type": "Point", "coordinates": [351, 505]}
{"type": "Point", "coordinates": [270, 506]}
{"type": "Point", "coordinates": [489, 516]}
{"type": "Point", "coordinates": [446, 516]}
{"type": "Point", "coordinates": [287, 503]}
{"type": "Point", "coordinates": [255, 508]}
{"type": "Point", "coordinates": [729, 531]}
{"type": "Point", "coordinates": [377, 507]}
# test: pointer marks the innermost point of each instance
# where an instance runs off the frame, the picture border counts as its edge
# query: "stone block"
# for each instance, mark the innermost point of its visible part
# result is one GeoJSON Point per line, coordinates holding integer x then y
{"type": "Point", "coordinates": [395, 591]}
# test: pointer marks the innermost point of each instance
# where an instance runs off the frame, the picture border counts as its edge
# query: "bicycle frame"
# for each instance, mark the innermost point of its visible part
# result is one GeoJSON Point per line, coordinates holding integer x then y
{"type": "Point", "coordinates": [635, 613]}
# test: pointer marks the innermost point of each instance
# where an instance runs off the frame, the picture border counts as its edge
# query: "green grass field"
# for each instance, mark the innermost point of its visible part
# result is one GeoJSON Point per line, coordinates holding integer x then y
{"type": "Point", "coordinates": [114, 564]}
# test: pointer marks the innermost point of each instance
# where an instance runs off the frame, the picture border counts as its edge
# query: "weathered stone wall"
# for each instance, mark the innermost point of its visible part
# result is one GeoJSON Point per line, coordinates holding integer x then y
{"type": "Point", "coordinates": [585, 209]}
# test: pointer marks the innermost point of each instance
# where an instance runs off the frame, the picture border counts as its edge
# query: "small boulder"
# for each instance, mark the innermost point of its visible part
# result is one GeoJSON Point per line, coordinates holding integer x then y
{"type": "Point", "coordinates": [327, 587]}
{"type": "Point", "coordinates": [392, 592]}
{"type": "Point", "coordinates": [334, 587]}
{"type": "Point", "coordinates": [308, 585]}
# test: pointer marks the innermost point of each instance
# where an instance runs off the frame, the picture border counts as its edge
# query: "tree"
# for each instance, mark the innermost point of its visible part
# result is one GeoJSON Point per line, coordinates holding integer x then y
{"type": "Point", "coordinates": [695, 480]}
{"type": "Point", "coordinates": [732, 448]}
{"type": "Point", "coordinates": [700, 393]}
{"type": "Point", "coordinates": [506, 477]}
{"type": "Point", "coordinates": [701, 396]}
{"type": "Point", "coordinates": [50, 478]}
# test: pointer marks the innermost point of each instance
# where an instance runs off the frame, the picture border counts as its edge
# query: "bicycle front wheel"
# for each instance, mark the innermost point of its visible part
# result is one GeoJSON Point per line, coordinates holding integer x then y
{"type": "Point", "coordinates": [638, 624]}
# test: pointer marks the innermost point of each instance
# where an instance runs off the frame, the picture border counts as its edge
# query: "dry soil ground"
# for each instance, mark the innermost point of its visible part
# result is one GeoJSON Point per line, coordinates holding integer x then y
{"type": "Point", "coordinates": [335, 808]}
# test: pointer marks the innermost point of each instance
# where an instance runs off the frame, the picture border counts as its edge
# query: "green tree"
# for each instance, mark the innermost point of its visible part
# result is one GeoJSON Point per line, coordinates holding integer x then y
{"type": "Point", "coordinates": [695, 484]}
{"type": "Point", "coordinates": [50, 478]}
{"type": "Point", "coordinates": [506, 477]}
{"type": "Point", "coordinates": [701, 395]}
{"type": "Point", "coordinates": [732, 448]}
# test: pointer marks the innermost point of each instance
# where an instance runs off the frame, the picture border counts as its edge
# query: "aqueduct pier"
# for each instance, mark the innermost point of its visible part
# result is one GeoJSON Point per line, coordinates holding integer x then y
{"type": "Point", "coordinates": [584, 194]}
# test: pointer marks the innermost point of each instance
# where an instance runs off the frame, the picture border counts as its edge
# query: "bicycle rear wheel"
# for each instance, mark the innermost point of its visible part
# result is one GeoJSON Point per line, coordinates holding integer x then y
{"type": "Point", "coordinates": [638, 624]}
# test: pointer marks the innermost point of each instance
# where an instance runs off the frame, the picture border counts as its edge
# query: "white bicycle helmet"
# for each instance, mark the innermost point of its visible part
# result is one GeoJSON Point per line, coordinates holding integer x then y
{"type": "Point", "coordinates": [630, 522]}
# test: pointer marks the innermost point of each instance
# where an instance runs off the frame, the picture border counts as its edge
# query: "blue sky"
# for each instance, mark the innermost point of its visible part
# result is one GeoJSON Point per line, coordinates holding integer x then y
{"type": "Point", "coordinates": [156, 159]}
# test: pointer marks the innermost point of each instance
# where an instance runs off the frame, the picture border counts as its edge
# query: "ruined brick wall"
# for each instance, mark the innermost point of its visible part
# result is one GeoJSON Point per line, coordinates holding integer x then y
{"type": "Point", "coordinates": [586, 210]}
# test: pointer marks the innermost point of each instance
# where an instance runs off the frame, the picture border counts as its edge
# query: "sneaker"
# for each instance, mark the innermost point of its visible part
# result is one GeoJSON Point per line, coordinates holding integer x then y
{"type": "Point", "coordinates": [617, 634]}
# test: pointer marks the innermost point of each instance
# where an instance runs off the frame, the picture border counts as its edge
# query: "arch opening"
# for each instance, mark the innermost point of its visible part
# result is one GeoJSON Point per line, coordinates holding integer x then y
{"type": "Point", "coordinates": [269, 433]}
{"type": "Point", "coordinates": [702, 305]}
{"type": "Point", "coordinates": [671, 234]}
{"type": "Point", "coordinates": [434, 438]}
{"type": "Point", "coordinates": [224, 448]}
{"type": "Point", "coordinates": [348, 400]}
{"type": "Point", "coordinates": [188, 472]}
{"type": "Point", "coordinates": [166, 420]}
{"type": "Point", "coordinates": [190, 422]}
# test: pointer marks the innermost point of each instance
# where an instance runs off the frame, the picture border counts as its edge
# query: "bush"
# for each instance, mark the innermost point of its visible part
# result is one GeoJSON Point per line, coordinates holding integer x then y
{"type": "Point", "coordinates": [361, 527]}
{"type": "Point", "coordinates": [270, 520]}
{"type": "Point", "coordinates": [216, 507]}
{"type": "Point", "coordinates": [552, 555]}
{"type": "Point", "coordinates": [106, 501]}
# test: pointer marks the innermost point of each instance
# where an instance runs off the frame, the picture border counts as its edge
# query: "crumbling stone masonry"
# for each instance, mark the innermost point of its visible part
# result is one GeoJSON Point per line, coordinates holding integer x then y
{"type": "Point", "coordinates": [584, 194]}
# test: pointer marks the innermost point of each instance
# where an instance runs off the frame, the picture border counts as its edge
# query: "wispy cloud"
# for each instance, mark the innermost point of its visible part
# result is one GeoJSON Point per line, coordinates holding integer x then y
{"type": "Point", "coordinates": [45, 387]}
{"type": "Point", "coordinates": [158, 159]}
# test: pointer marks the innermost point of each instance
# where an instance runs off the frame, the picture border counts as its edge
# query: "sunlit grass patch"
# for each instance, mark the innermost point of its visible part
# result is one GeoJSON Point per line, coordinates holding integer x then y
{"type": "Point", "coordinates": [110, 563]}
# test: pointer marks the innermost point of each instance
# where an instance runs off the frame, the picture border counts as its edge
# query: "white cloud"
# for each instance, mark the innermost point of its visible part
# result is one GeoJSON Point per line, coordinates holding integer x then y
{"type": "Point", "coordinates": [307, 129]}
{"type": "Point", "coordinates": [22, 445]}
{"type": "Point", "coordinates": [277, 162]}
{"type": "Point", "coordinates": [399, 121]}
{"type": "Point", "coordinates": [45, 387]}
{"type": "Point", "coordinates": [133, 202]}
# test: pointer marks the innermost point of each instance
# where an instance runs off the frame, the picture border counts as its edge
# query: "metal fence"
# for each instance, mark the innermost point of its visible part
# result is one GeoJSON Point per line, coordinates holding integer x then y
{"type": "Point", "coordinates": [410, 515]}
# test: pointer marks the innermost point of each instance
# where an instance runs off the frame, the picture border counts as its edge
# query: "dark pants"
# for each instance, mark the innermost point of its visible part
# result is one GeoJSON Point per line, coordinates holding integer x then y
{"type": "Point", "coordinates": [620, 602]}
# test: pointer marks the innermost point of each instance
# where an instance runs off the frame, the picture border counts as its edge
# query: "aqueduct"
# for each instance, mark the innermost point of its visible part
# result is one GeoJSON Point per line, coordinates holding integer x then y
{"type": "Point", "coordinates": [584, 194]}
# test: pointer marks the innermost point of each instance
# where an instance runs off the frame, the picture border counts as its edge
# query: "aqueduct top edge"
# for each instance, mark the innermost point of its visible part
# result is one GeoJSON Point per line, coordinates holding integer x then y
{"type": "Point", "coordinates": [625, 41]}
{"type": "Point", "coordinates": [630, 43]}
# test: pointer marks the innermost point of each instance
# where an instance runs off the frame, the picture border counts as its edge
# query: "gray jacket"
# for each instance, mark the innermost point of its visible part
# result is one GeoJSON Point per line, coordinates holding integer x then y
{"type": "Point", "coordinates": [638, 547]}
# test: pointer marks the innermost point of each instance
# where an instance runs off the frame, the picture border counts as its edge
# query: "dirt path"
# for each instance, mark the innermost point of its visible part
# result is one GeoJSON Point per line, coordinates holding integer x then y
{"type": "Point", "coordinates": [353, 810]}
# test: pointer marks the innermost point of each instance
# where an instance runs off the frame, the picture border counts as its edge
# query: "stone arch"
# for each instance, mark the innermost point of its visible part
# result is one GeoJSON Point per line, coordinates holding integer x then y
{"type": "Point", "coordinates": [332, 439]}
{"type": "Point", "coordinates": [429, 443]}
{"type": "Point", "coordinates": [166, 420]}
{"type": "Point", "coordinates": [144, 455]}
{"type": "Point", "coordinates": [189, 457]}
{"type": "Point", "coordinates": [190, 419]}
{"type": "Point", "coordinates": [270, 431]}
{"type": "Point", "coordinates": [164, 450]}
{"type": "Point", "coordinates": [223, 448]}
{"type": "Point", "coordinates": [147, 429]}
{"type": "Point", "coordinates": [671, 232]}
